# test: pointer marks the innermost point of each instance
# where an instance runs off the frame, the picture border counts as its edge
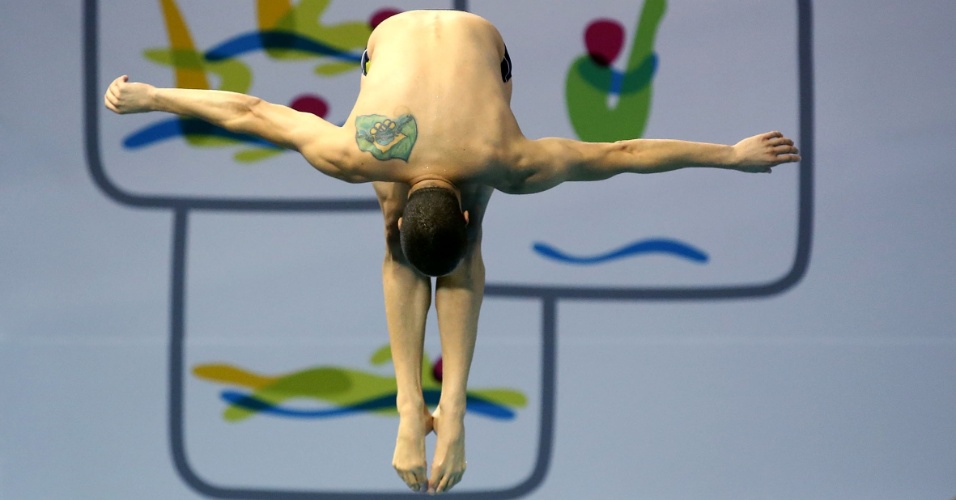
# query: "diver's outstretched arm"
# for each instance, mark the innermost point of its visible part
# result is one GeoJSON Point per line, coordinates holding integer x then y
{"type": "Point", "coordinates": [324, 145]}
{"type": "Point", "coordinates": [542, 164]}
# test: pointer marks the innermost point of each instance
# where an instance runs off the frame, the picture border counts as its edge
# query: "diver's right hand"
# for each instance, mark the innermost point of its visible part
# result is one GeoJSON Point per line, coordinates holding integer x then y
{"type": "Point", "coordinates": [123, 97]}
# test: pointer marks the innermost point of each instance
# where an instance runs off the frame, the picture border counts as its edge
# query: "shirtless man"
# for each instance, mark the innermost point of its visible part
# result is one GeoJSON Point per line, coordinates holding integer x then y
{"type": "Point", "coordinates": [433, 130]}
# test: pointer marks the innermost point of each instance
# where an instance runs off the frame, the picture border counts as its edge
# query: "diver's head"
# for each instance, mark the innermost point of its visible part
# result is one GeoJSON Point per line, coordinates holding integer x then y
{"type": "Point", "coordinates": [433, 228]}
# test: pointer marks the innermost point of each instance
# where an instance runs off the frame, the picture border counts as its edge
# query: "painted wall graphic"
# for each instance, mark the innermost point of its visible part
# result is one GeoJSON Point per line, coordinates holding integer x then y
{"type": "Point", "coordinates": [284, 32]}
{"type": "Point", "coordinates": [593, 82]}
{"type": "Point", "coordinates": [633, 70]}
{"type": "Point", "coordinates": [344, 390]}
{"type": "Point", "coordinates": [606, 105]}
{"type": "Point", "coordinates": [189, 314]}
{"type": "Point", "coordinates": [272, 362]}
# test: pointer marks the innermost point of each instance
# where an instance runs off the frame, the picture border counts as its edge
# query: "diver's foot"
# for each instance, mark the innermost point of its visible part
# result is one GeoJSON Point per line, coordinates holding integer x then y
{"type": "Point", "coordinates": [448, 464]}
{"type": "Point", "coordinates": [409, 458]}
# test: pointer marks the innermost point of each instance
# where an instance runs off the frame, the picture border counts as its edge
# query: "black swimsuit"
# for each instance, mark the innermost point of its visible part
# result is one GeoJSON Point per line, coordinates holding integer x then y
{"type": "Point", "coordinates": [505, 65]}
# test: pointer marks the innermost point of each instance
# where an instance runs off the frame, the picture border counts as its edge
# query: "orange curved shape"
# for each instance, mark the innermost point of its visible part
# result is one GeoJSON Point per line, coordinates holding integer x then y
{"type": "Point", "coordinates": [190, 73]}
{"type": "Point", "coordinates": [270, 12]}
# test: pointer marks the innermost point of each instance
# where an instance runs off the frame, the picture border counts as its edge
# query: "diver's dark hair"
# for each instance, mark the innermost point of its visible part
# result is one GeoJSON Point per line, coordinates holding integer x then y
{"type": "Point", "coordinates": [434, 233]}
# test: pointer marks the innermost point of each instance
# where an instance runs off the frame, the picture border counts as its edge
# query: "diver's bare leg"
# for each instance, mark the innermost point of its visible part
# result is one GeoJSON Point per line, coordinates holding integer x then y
{"type": "Point", "coordinates": [458, 299]}
{"type": "Point", "coordinates": [407, 299]}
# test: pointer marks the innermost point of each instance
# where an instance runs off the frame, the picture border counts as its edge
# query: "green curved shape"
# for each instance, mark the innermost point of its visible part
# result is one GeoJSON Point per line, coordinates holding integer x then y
{"type": "Point", "coordinates": [254, 155]}
{"type": "Point", "coordinates": [381, 356]}
{"type": "Point", "coordinates": [176, 58]}
{"type": "Point", "coordinates": [338, 386]}
{"type": "Point", "coordinates": [588, 87]}
{"type": "Point", "coordinates": [234, 74]}
{"type": "Point", "coordinates": [336, 68]}
{"type": "Point", "coordinates": [506, 397]}
{"type": "Point", "coordinates": [384, 355]}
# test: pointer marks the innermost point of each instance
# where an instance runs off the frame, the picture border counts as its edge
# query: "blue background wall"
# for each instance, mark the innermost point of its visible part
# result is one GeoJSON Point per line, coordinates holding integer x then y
{"type": "Point", "coordinates": [841, 386]}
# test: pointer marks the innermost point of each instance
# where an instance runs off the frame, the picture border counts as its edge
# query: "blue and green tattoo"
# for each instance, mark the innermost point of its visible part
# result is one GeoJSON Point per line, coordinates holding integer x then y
{"type": "Point", "coordinates": [386, 139]}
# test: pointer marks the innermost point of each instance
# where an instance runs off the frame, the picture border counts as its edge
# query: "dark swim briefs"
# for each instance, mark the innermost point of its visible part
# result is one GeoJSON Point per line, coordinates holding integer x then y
{"type": "Point", "coordinates": [505, 65]}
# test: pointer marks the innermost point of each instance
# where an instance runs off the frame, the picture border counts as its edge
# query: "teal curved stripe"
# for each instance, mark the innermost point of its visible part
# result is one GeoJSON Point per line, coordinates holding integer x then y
{"type": "Point", "coordinates": [615, 82]}
{"type": "Point", "coordinates": [663, 246]}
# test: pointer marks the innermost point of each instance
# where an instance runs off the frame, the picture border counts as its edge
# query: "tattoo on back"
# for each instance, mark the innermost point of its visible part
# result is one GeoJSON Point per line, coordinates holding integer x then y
{"type": "Point", "coordinates": [385, 138]}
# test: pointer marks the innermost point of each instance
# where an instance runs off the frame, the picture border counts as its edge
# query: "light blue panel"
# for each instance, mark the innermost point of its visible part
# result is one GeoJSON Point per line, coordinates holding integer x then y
{"type": "Point", "coordinates": [171, 167]}
{"type": "Point", "coordinates": [279, 296]}
{"type": "Point", "coordinates": [716, 81]}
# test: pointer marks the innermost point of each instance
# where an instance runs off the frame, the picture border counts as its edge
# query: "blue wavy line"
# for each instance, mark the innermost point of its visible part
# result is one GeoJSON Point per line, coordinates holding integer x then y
{"type": "Point", "coordinates": [160, 131]}
{"type": "Point", "coordinates": [176, 127]}
{"type": "Point", "coordinates": [644, 247]}
{"type": "Point", "coordinates": [475, 405]}
{"type": "Point", "coordinates": [262, 40]}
